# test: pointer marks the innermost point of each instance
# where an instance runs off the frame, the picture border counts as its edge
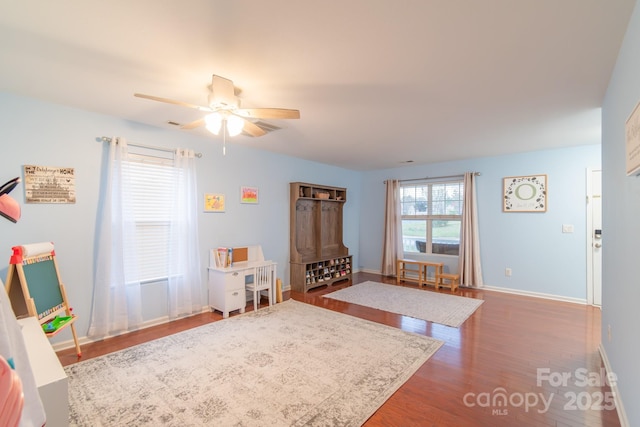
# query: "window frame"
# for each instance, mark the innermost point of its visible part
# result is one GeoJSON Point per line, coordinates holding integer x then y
{"type": "Point", "coordinates": [429, 217]}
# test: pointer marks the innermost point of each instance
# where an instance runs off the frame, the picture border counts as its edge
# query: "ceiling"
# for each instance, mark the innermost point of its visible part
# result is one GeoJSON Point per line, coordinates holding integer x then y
{"type": "Point", "coordinates": [378, 83]}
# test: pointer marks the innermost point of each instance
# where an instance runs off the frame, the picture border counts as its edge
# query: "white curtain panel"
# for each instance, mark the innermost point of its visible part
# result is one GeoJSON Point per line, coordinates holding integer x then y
{"type": "Point", "coordinates": [392, 244]}
{"type": "Point", "coordinates": [185, 283]}
{"type": "Point", "coordinates": [116, 297]}
{"type": "Point", "coordinates": [469, 258]}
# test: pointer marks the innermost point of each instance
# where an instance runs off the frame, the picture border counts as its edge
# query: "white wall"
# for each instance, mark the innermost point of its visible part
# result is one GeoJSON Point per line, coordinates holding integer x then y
{"type": "Point", "coordinates": [544, 261]}
{"type": "Point", "coordinates": [36, 132]}
{"type": "Point", "coordinates": [621, 226]}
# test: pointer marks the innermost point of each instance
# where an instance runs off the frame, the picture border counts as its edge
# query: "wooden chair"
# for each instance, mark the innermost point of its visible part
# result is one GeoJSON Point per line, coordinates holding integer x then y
{"type": "Point", "coordinates": [11, 396]}
{"type": "Point", "coordinates": [262, 281]}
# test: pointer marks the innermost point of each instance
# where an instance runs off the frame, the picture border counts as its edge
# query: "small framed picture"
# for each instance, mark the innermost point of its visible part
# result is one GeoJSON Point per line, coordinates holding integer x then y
{"type": "Point", "coordinates": [213, 202]}
{"type": "Point", "coordinates": [524, 193]}
{"type": "Point", "coordinates": [249, 195]}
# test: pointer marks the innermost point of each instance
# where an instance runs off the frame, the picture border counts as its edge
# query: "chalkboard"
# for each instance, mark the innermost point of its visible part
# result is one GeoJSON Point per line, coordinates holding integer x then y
{"type": "Point", "coordinates": [34, 289]}
{"type": "Point", "coordinates": [43, 284]}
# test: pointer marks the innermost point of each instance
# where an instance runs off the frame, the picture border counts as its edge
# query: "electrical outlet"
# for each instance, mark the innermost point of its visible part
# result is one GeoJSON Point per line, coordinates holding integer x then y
{"type": "Point", "coordinates": [567, 228]}
{"type": "Point", "coordinates": [507, 272]}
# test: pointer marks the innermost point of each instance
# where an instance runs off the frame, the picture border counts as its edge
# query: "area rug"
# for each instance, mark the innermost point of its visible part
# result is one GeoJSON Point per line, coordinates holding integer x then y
{"type": "Point", "coordinates": [450, 310]}
{"type": "Point", "coordinates": [292, 364]}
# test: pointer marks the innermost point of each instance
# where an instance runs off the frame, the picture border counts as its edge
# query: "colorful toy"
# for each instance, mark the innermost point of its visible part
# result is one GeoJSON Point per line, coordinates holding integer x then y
{"type": "Point", "coordinates": [56, 323]}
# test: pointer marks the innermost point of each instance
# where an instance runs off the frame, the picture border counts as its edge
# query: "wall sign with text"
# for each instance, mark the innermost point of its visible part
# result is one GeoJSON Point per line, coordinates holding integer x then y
{"type": "Point", "coordinates": [49, 184]}
{"type": "Point", "coordinates": [632, 141]}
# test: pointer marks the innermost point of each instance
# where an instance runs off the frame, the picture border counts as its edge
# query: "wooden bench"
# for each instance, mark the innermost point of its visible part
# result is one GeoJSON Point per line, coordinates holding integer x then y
{"type": "Point", "coordinates": [421, 270]}
{"type": "Point", "coordinates": [453, 281]}
{"type": "Point", "coordinates": [403, 268]}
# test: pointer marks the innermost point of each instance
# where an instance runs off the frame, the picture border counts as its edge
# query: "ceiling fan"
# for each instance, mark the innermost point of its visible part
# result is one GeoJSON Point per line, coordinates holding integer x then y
{"type": "Point", "coordinates": [225, 112]}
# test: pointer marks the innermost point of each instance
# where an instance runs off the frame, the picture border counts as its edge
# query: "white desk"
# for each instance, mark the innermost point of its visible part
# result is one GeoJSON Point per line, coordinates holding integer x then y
{"type": "Point", "coordinates": [227, 285]}
{"type": "Point", "coordinates": [50, 377]}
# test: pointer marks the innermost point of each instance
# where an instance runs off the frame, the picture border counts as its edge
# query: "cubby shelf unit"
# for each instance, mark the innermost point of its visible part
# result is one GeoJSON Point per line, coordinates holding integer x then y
{"type": "Point", "coordinates": [318, 255]}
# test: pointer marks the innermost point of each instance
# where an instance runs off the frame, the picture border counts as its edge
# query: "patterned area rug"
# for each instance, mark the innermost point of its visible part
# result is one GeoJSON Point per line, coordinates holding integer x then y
{"type": "Point", "coordinates": [289, 365]}
{"type": "Point", "coordinates": [445, 309]}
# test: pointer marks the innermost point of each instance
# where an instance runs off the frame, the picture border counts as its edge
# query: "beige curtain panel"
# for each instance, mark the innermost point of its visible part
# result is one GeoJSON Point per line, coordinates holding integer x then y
{"type": "Point", "coordinates": [469, 258]}
{"type": "Point", "coordinates": [392, 244]}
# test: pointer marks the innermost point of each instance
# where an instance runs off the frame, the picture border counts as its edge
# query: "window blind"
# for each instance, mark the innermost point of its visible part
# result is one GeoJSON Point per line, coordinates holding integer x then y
{"type": "Point", "coordinates": [152, 185]}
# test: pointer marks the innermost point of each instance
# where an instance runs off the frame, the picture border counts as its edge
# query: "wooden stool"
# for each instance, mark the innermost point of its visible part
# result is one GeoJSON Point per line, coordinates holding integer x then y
{"type": "Point", "coordinates": [402, 270]}
{"type": "Point", "coordinates": [454, 281]}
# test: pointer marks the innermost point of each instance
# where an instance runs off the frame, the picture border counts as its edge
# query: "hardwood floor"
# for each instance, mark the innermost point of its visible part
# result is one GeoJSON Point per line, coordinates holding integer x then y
{"type": "Point", "coordinates": [486, 373]}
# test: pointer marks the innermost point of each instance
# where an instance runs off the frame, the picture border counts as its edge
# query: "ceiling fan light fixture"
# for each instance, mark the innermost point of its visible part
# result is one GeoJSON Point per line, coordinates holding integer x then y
{"type": "Point", "coordinates": [234, 125]}
{"type": "Point", "coordinates": [213, 122]}
{"type": "Point", "coordinates": [225, 113]}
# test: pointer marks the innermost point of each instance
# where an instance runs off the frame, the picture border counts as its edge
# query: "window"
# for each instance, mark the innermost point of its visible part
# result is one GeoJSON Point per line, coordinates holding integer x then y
{"type": "Point", "coordinates": [152, 185]}
{"type": "Point", "coordinates": [431, 217]}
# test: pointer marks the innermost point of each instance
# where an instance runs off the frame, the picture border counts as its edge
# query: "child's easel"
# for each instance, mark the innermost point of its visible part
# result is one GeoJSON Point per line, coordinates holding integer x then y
{"type": "Point", "coordinates": [35, 289]}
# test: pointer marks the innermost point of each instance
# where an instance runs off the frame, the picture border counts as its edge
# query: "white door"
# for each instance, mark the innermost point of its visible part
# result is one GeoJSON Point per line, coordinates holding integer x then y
{"type": "Point", "coordinates": [594, 241]}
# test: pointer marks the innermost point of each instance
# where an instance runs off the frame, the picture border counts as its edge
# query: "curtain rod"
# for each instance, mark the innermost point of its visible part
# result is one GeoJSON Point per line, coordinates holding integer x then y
{"type": "Point", "coordinates": [434, 177]}
{"type": "Point", "coordinates": [168, 150]}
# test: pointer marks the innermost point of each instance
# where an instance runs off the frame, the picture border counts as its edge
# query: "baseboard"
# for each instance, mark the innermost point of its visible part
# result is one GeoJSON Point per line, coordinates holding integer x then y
{"type": "Point", "coordinates": [63, 345]}
{"type": "Point", "coordinates": [516, 292]}
{"type": "Point", "coordinates": [581, 301]}
{"type": "Point", "coordinates": [622, 414]}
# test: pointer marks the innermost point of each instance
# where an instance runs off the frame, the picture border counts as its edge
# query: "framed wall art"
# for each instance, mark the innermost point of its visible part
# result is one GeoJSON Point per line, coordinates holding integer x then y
{"type": "Point", "coordinates": [213, 202]}
{"type": "Point", "coordinates": [632, 141]}
{"type": "Point", "coordinates": [249, 195]}
{"type": "Point", "coordinates": [524, 193]}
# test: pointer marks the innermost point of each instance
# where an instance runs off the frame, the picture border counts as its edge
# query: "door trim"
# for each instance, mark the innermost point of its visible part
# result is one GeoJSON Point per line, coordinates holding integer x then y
{"type": "Point", "coordinates": [589, 231]}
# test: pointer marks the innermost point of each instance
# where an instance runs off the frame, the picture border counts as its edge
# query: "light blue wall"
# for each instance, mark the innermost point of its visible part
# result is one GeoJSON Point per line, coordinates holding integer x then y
{"type": "Point", "coordinates": [35, 132]}
{"type": "Point", "coordinates": [543, 259]}
{"type": "Point", "coordinates": [621, 226]}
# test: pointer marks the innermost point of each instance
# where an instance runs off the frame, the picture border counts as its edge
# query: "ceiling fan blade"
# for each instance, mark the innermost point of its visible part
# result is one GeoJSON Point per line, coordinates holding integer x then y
{"type": "Point", "coordinates": [268, 113]}
{"type": "Point", "coordinates": [171, 101]}
{"type": "Point", "coordinates": [253, 129]}
{"type": "Point", "coordinates": [194, 124]}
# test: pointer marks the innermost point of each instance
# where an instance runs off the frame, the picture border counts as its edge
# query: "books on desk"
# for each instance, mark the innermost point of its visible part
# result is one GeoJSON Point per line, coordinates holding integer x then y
{"type": "Point", "coordinates": [222, 257]}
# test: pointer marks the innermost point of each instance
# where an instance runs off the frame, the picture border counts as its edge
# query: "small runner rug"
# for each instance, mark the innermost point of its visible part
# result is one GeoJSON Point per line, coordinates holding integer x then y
{"type": "Point", "coordinates": [450, 310]}
{"type": "Point", "coordinates": [292, 364]}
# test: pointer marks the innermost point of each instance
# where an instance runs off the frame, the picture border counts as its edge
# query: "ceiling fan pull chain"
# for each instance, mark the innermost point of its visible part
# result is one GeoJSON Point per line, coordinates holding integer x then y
{"type": "Point", "coordinates": [224, 137]}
